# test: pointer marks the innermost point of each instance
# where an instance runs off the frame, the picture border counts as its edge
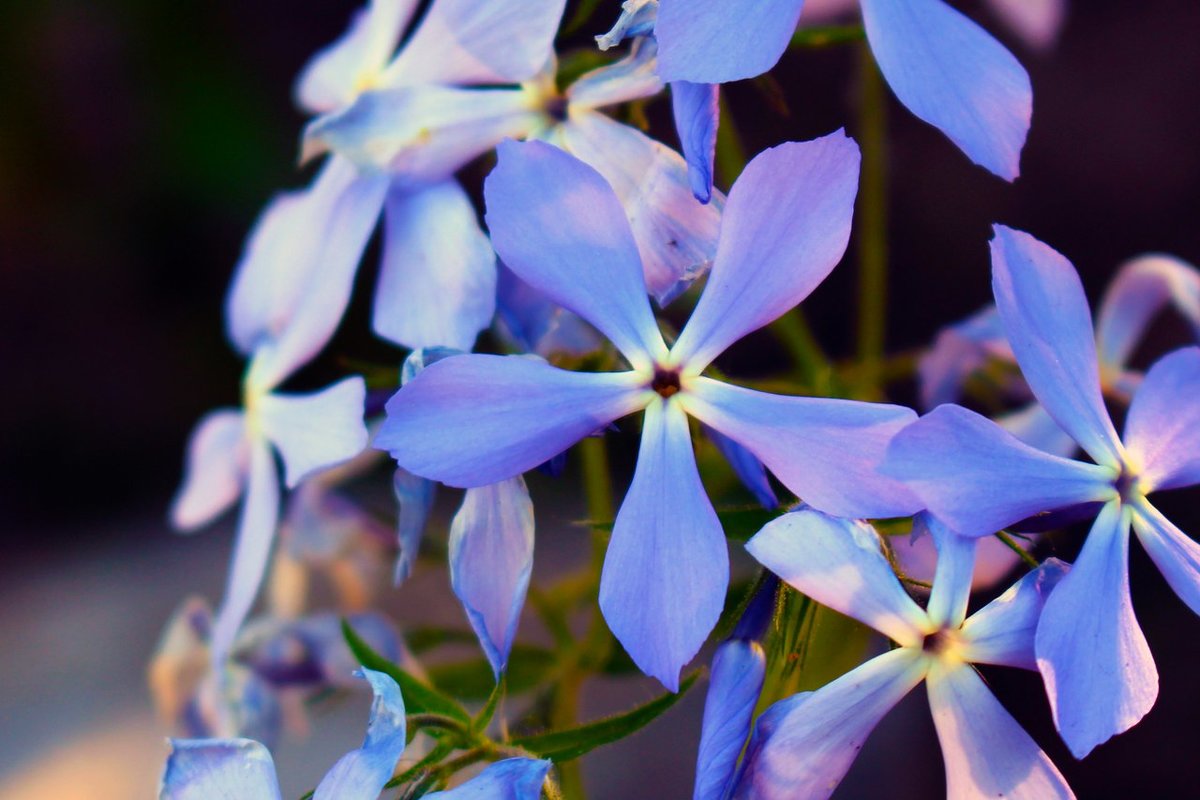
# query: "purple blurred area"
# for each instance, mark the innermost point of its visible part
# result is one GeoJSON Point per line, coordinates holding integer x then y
{"type": "Point", "coordinates": [139, 139]}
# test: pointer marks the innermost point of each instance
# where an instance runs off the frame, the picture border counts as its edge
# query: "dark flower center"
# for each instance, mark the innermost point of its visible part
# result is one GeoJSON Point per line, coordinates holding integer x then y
{"type": "Point", "coordinates": [1125, 484]}
{"type": "Point", "coordinates": [666, 382]}
{"type": "Point", "coordinates": [934, 642]}
{"type": "Point", "coordinates": [556, 108]}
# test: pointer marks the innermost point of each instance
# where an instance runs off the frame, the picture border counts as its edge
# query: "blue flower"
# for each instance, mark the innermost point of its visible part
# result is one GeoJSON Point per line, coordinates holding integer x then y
{"type": "Point", "coordinates": [472, 420]}
{"type": "Point", "coordinates": [978, 478]}
{"type": "Point", "coordinates": [510, 779]}
{"type": "Point", "coordinates": [802, 746]}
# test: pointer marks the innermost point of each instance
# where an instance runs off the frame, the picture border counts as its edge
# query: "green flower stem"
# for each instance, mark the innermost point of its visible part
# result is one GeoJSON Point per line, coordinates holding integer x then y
{"type": "Point", "coordinates": [872, 223]}
{"type": "Point", "coordinates": [826, 35]}
{"type": "Point", "coordinates": [1008, 540]}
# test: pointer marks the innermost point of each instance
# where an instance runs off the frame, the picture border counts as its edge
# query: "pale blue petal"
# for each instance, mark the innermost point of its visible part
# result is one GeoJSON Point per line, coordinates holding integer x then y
{"type": "Point", "coordinates": [557, 224]}
{"type": "Point", "coordinates": [952, 74]}
{"type": "Point", "coordinates": [632, 78]}
{"type": "Point", "coordinates": [1142, 288]}
{"type": "Point", "coordinates": [959, 351]}
{"type": "Point", "coordinates": [987, 753]}
{"type": "Point", "coordinates": [675, 235]}
{"type": "Point", "coordinates": [1047, 322]}
{"type": "Point", "coordinates": [952, 578]}
{"type": "Point", "coordinates": [414, 495]}
{"type": "Point", "coordinates": [737, 672]}
{"type": "Point", "coordinates": [697, 113]}
{"type": "Point", "coordinates": [491, 556]}
{"type": "Point", "coordinates": [472, 420]}
{"type": "Point", "coordinates": [813, 741]}
{"type": "Point", "coordinates": [978, 478]}
{"type": "Point", "coordinates": [749, 469]}
{"type": "Point", "coordinates": [437, 282]}
{"type": "Point", "coordinates": [717, 41]}
{"type": "Point", "coordinates": [1162, 431]}
{"type": "Point", "coordinates": [241, 704]}
{"type": "Point", "coordinates": [510, 779]}
{"type": "Point", "coordinates": [216, 466]}
{"type": "Point", "coordinates": [315, 431]}
{"type": "Point", "coordinates": [361, 774]}
{"type": "Point", "coordinates": [533, 324]}
{"type": "Point", "coordinates": [840, 563]}
{"type": "Point", "coordinates": [218, 769]}
{"type": "Point", "coordinates": [1036, 428]}
{"type": "Point", "coordinates": [825, 450]}
{"type": "Point", "coordinates": [636, 19]}
{"type": "Point", "coordinates": [1176, 556]}
{"type": "Point", "coordinates": [1037, 22]}
{"type": "Point", "coordinates": [1098, 670]}
{"type": "Point", "coordinates": [785, 227]}
{"type": "Point", "coordinates": [667, 567]}
{"type": "Point", "coordinates": [1002, 632]}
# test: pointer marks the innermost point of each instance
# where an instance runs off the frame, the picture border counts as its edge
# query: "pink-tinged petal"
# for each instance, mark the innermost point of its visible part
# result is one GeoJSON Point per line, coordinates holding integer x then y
{"type": "Point", "coordinates": [1037, 22]}
{"type": "Point", "coordinates": [978, 478]}
{"type": "Point", "coordinates": [994, 560]}
{"type": "Point", "coordinates": [1176, 556]}
{"type": "Point", "coordinates": [785, 227]}
{"type": "Point", "coordinates": [825, 450]}
{"type": "Point", "coordinates": [1002, 632]}
{"type": "Point", "coordinates": [632, 78]}
{"type": "Point", "coordinates": [810, 743]}
{"type": "Point", "coordinates": [315, 431]}
{"type": "Point", "coordinates": [1098, 670]}
{"type": "Point", "coordinates": [667, 566]}
{"type": "Point", "coordinates": [472, 420]}
{"type": "Point", "coordinates": [820, 12]}
{"type": "Point", "coordinates": [216, 465]}
{"type": "Point", "coordinates": [218, 769]}
{"type": "Point", "coordinates": [717, 41]}
{"type": "Point", "coordinates": [1142, 288]}
{"type": "Point", "coordinates": [987, 753]}
{"type": "Point", "coordinates": [952, 578]}
{"type": "Point", "coordinates": [362, 773]}
{"type": "Point", "coordinates": [1162, 431]}
{"type": "Point", "coordinates": [839, 563]}
{"type": "Point", "coordinates": [1049, 327]}
{"type": "Point", "coordinates": [558, 225]}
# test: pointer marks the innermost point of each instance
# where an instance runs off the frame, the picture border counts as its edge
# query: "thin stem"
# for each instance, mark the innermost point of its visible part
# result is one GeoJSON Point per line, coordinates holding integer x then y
{"type": "Point", "coordinates": [1029, 560]}
{"type": "Point", "coordinates": [872, 222]}
{"type": "Point", "coordinates": [793, 332]}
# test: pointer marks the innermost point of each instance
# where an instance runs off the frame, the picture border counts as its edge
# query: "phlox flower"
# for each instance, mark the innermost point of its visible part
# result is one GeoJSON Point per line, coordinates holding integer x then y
{"type": "Point", "coordinates": [802, 746]}
{"type": "Point", "coordinates": [978, 478]}
{"type": "Point", "coordinates": [472, 420]}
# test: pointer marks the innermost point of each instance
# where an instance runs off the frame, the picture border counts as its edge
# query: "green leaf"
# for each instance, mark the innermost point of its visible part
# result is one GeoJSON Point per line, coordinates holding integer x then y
{"type": "Point", "coordinates": [484, 718]}
{"type": "Point", "coordinates": [473, 679]}
{"type": "Point", "coordinates": [825, 35]}
{"type": "Point", "coordinates": [421, 640]}
{"type": "Point", "coordinates": [565, 745]}
{"type": "Point", "coordinates": [419, 697]}
{"type": "Point", "coordinates": [739, 522]}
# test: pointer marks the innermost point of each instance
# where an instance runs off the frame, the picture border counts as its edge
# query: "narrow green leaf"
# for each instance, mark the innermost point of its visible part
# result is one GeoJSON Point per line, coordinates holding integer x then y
{"type": "Point", "coordinates": [484, 718]}
{"type": "Point", "coordinates": [473, 679]}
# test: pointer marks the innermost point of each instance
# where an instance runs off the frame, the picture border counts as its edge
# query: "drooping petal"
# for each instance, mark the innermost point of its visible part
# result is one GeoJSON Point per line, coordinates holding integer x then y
{"type": "Point", "coordinates": [437, 282]}
{"type": "Point", "coordinates": [414, 495]}
{"type": "Point", "coordinates": [1098, 670]}
{"type": "Point", "coordinates": [978, 478]}
{"type": "Point", "coordinates": [361, 774]}
{"type": "Point", "coordinates": [1002, 632]}
{"type": "Point", "coordinates": [216, 464]}
{"type": "Point", "coordinates": [1176, 556]}
{"type": "Point", "coordinates": [675, 235]}
{"type": "Point", "coordinates": [218, 769]}
{"type": "Point", "coordinates": [472, 420]}
{"type": "Point", "coordinates": [952, 578]}
{"type": "Point", "coordinates": [557, 224]}
{"type": "Point", "coordinates": [1037, 22]}
{"type": "Point", "coordinates": [697, 114]}
{"type": "Point", "coordinates": [535, 325]}
{"type": "Point", "coordinates": [738, 669]}
{"type": "Point", "coordinates": [951, 73]}
{"type": "Point", "coordinates": [632, 78]}
{"type": "Point", "coordinates": [839, 563]}
{"type": "Point", "coordinates": [785, 227]}
{"type": "Point", "coordinates": [317, 430]}
{"type": "Point", "coordinates": [825, 450]}
{"type": "Point", "coordinates": [1047, 322]}
{"type": "Point", "coordinates": [510, 779]}
{"type": "Point", "coordinates": [749, 469]}
{"type": "Point", "coordinates": [665, 574]}
{"type": "Point", "coordinates": [468, 42]}
{"type": "Point", "coordinates": [1141, 289]}
{"type": "Point", "coordinates": [987, 752]}
{"type": "Point", "coordinates": [491, 555]}
{"type": "Point", "coordinates": [813, 740]}
{"type": "Point", "coordinates": [1162, 431]}
{"type": "Point", "coordinates": [718, 41]}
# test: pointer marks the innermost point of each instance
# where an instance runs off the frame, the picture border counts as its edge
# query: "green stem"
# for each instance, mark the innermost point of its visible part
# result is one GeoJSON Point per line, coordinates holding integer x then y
{"type": "Point", "coordinates": [872, 222]}
{"type": "Point", "coordinates": [1029, 560]}
{"type": "Point", "coordinates": [793, 332]}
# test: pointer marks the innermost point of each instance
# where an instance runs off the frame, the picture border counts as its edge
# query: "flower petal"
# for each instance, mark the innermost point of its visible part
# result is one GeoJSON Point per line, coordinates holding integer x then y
{"type": "Point", "coordinates": [987, 752]}
{"type": "Point", "coordinates": [414, 496]}
{"type": "Point", "coordinates": [958, 351]}
{"type": "Point", "coordinates": [557, 224]}
{"type": "Point", "coordinates": [825, 450]}
{"type": "Point", "coordinates": [1047, 322]}
{"type": "Point", "coordinates": [785, 228]}
{"type": "Point", "coordinates": [1037, 22]}
{"type": "Point", "coordinates": [978, 478]}
{"type": "Point", "coordinates": [1036, 428]}
{"type": "Point", "coordinates": [1141, 289]}
{"type": "Point", "coordinates": [839, 563]}
{"type": "Point", "coordinates": [1002, 632]}
{"type": "Point", "coordinates": [952, 577]}
{"type": "Point", "coordinates": [951, 73]}
{"type": "Point", "coordinates": [738, 669]}
{"type": "Point", "coordinates": [1097, 666]}
{"type": "Point", "coordinates": [361, 774]}
{"type": "Point", "coordinates": [1176, 556]}
{"type": "Point", "coordinates": [632, 78]}
{"type": "Point", "coordinates": [218, 769]}
{"type": "Point", "coordinates": [472, 420]}
{"type": "Point", "coordinates": [812, 740]}
{"type": "Point", "coordinates": [533, 324]}
{"type": "Point", "coordinates": [717, 41]}
{"type": "Point", "coordinates": [697, 113]}
{"type": "Point", "coordinates": [667, 567]}
{"type": "Point", "coordinates": [1162, 431]}
{"type": "Point", "coordinates": [746, 466]}
{"type": "Point", "coordinates": [216, 465]}
{"type": "Point", "coordinates": [510, 779]}
{"type": "Point", "coordinates": [315, 431]}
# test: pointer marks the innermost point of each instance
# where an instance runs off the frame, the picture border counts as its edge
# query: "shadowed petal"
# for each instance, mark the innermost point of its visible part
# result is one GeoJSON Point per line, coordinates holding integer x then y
{"type": "Point", "coordinates": [1162, 431]}
{"type": "Point", "coordinates": [717, 41]}
{"type": "Point", "coordinates": [1141, 289]}
{"type": "Point", "coordinates": [738, 669]}
{"type": "Point", "coordinates": [1176, 556]}
{"type": "Point", "coordinates": [315, 431]}
{"type": "Point", "coordinates": [1033, 426]}
{"type": "Point", "coordinates": [665, 574]}
{"type": "Point", "coordinates": [952, 74]}
{"type": "Point", "coordinates": [361, 774]}
{"type": "Point", "coordinates": [533, 324]}
{"type": "Point", "coordinates": [958, 351]}
{"type": "Point", "coordinates": [785, 227]}
{"type": "Point", "coordinates": [472, 420]}
{"type": "Point", "coordinates": [697, 113]}
{"type": "Point", "coordinates": [414, 495]}
{"type": "Point", "coordinates": [216, 463]}
{"type": "Point", "coordinates": [510, 779]}
{"type": "Point", "coordinates": [218, 769]}
{"type": "Point", "coordinates": [952, 577]}
{"type": "Point", "coordinates": [1002, 632]}
{"type": "Point", "coordinates": [746, 466]}
{"type": "Point", "coordinates": [1097, 666]}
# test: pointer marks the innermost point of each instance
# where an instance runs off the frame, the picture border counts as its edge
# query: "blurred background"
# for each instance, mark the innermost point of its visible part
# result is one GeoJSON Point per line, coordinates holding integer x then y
{"type": "Point", "coordinates": [138, 141]}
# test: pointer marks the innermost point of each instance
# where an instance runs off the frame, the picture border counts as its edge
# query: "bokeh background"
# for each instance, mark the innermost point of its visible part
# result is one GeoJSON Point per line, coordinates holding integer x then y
{"type": "Point", "coordinates": [139, 139]}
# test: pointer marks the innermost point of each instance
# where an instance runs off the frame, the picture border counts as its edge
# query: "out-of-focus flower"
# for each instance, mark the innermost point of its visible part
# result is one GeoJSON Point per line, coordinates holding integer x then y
{"type": "Point", "coordinates": [802, 746]}
{"type": "Point", "coordinates": [473, 420]}
{"type": "Point", "coordinates": [978, 478]}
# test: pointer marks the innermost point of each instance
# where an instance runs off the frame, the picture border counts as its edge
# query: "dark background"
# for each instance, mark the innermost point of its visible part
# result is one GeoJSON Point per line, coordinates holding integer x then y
{"type": "Point", "coordinates": [139, 139]}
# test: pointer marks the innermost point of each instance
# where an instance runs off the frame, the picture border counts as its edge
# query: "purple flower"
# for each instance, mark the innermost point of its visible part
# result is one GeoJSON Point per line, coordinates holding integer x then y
{"type": "Point", "coordinates": [473, 420]}
{"type": "Point", "coordinates": [977, 478]}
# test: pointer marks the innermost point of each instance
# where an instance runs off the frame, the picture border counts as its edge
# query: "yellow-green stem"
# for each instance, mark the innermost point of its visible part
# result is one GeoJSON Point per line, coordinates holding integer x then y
{"type": "Point", "coordinates": [872, 222]}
